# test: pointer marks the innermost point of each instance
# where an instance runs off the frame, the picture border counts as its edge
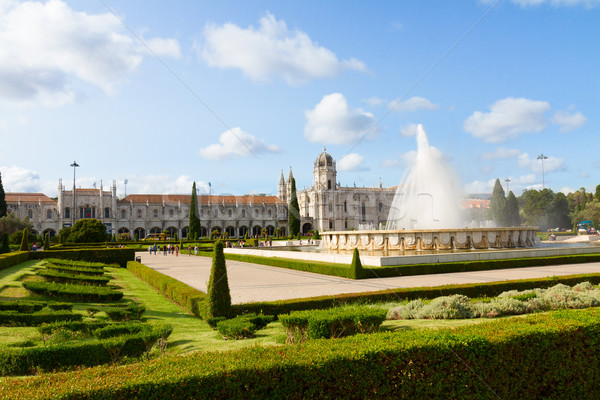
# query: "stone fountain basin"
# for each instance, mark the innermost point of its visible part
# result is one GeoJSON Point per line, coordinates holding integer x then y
{"type": "Point", "coordinates": [432, 239]}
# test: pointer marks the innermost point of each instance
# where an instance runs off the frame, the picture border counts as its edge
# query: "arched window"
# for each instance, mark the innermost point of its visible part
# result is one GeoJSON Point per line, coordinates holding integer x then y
{"type": "Point", "coordinates": [49, 214]}
{"type": "Point", "coordinates": [380, 207]}
{"type": "Point", "coordinates": [243, 213]}
{"type": "Point", "coordinates": [107, 212]}
{"type": "Point", "coordinates": [171, 213]}
{"type": "Point", "coordinates": [363, 212]}
{"type": "Point", "coordinates": [345, 206]}
{"type": "Point", "coordinates": [269, 213]}
{"type": "Point", "coordinates": [67, 212]}
{"type": "Point", "coordinates": [256, 213]}
{"type": "Point", "coordinates": [329, 184]}
{"type": "Point", "coordinates": [202, 213]}
{"type": "Point", "coordinates": [123, 213]}
{"type": "Point", "coordinates": [139, 214]}
{"type": "Point", "coordinates": [155, 213]}
{"type": "Point", "coordinates": [30, 213]}
{"type": "Point", "coordinates": [229, 214]}
{"type": "Point", "coordinates": [216, 212]}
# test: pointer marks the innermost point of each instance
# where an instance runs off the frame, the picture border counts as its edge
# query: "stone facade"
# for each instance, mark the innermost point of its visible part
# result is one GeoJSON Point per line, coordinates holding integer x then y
{"type": "Point", "coordinates": [327, 206]}
{"type": "Point", "coordinates": [143, 214]}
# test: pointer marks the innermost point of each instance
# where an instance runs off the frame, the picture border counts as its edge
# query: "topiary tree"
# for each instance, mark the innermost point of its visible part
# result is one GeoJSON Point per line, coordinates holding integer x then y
{"type": "Point", "coordinates": [317, 235]}
{"type": "Point", "coordinates": [512, 210]}
{"type": "Point", "coordinates": [25, 240]}
{"type": "Point", "coordinates": [498, 205]}
{"type": "Point", "coordinates": [3, 206]}
{"type": "Point", "coordinates": [294, 211]}
{"type": "Point", "coordinates": [88, 230]}
{"type": "Point", "coordinates": [218, 297]}
{"type": "Point", "coordinates": [194, 221]}
{"type": "Point", "coordinates": [5, 248]}
{"type": "Point", "coordinates": [356, 270]}
{"type": "Point", "coordinates": [47, 241]}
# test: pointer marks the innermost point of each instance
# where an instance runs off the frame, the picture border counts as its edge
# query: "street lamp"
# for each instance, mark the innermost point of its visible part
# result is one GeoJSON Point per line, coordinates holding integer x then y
{"type": "Point", "coordinates": [507, 180]}
{"type": "Point", "coordinates": [125, 182]}
{"type": "Point", "coordinates": [542, 157]}
{"type": "Point", "coordinates": [74, 165]}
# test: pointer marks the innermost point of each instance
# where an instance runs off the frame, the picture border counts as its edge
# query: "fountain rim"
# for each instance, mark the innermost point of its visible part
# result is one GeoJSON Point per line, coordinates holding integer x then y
{"type": "Point", "coordinates": [380, 231]}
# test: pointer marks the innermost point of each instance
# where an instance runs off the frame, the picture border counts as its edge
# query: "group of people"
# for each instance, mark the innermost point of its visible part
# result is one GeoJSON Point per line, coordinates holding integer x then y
{"type": "Point", "coordinates": [170, 249]}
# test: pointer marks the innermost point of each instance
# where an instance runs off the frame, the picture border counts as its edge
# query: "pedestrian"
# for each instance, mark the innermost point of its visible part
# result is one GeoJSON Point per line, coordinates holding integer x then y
{"type": "Point", "coordinates": [154, 248]}
{"type": "Point", "coordinates": [190, 251]}
{"type": "Point", "coordinates": [150, 249]}
{"type": "Point", "coordinates": [177, 251]}
{"type": "Point", "coordinates": [196, 250]}
{"type": "Point", "coordinates": [164, 249]}
{"type": "Point", "coordinates": [34, 246]}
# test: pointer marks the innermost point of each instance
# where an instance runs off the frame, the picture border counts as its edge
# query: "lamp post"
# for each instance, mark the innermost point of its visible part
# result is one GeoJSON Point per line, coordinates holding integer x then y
{"type": "Point", "coordinates": [74, 165]}
{"type": "Point", "coordinates": [542, 157]}
{"type": "Point", "coordinates": [507, 180]}
{"type": "Point", "coordinates": [125, 182]}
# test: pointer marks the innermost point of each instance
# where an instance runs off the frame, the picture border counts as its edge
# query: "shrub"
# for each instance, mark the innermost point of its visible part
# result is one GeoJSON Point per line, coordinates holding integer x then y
{"type": "Point", "coordinates": [78, 279]}
{"type": "Point", "coordinates": [447, 307]}
{"type": "Point", "coordinates": [74, 292]}
{"type": "Point", "coordinates": [5, 247]}
{"type": "Point", "coordinates": [236, 328]}
{"type": "Point", "coordinates": [356, 270]}
{"type": "Point", "coordinates": [24, 240]}
{"type": "Point", "coordinates": [75, 270]}
{"type": "Point", "coordinates": [218, 296]}
{"type": "Point", "coordinates": [113, 330]}
{"type": "Point", "coordinates": [15, 318]}
{"type": "Point", "coordinates": [407, 311]}
{"type": "Point", "coordinates": [130, 312]}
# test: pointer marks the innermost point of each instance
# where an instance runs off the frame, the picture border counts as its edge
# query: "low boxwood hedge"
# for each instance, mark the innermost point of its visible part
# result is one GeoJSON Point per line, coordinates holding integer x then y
{"type": "Point", "coordinates": [77, 279]}
{"type": "Point", "coordinates": [88, 353]}
{"type": "Point", "coordinates": [107, 256]}
{"type": "Point", "coordinates": [81, 293]}
{"type": "Point", "coordinates": [298, 265]}
{"type": "Point", "coordinates": [76, 270]}
{"type": "Point", "coordinates": [126, 328]}
{"type": "Point", "coordinates": [26, 306]}
{"type": "Point", "coordinates": [15, 318]}
{"type": "Point", "coordinates": [182, 294]}
{"type": "Point", "coordinates": [550, 356]}
{"type": "Point", "coordinates": [77, 264]}
{"type": "Point", "coordinates": [9, 259]}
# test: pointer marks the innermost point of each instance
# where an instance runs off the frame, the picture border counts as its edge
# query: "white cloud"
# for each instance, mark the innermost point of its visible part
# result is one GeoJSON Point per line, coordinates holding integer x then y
{"type": "Point", "coordinates": [47, 48]}
{"type": "Point", "coordinates": [567, 121]}
{"type": "Point", "coordinates": [164, 184]}
{"type": "Point", "coordinates": [271, 50]}
{"type": "Point", "coordinates": [236, 143]}
{"type": "Point", "coordinates": [18, 179]}
{"type": "Point", "coordinates": [374, 101]}
{"type": "Point", "coordinates": [387, 163]}
{"type": "Point", "coordinates": [550, 164]}
{"type": "Point", "coordinates": [409, 130]}
{"type": "Point", "coordinates": [566, 190]}
{"type": "Point", "coordinates": [507, 119]}
{"type": "Point", "coordinates": [479, 186]}
{"type": "Point", "coordinates": [351, 162]}
{"type": "Point", "coordinates": [500, 153]}
{"type": "Point", "coordinates": [334, 121]}
{"type": "Point", "coordinates": [413, 104]}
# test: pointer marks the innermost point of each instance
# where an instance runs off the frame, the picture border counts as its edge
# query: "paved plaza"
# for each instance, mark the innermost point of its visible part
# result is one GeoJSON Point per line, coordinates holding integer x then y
{"type": "Point", "coordinates": [252, 282]}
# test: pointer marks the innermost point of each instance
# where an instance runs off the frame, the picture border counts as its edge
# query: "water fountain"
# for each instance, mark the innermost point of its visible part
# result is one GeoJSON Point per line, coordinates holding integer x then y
{"type": "Point", "coordinates": [425, 214]}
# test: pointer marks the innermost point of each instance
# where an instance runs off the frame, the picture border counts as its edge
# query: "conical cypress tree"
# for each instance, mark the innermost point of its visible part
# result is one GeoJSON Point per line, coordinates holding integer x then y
{"type": "Point", "coordinates": [356, 271]}
{"type": "Point", "coordinates": [3, 207]}
{"type": "Point", "coordinates": [47, 241]}
{"type": "Point", "coordinates": [498, 205]}
{"type": "Point", "coordinates": [218, 297]}
{"type": "Point", "coordinates": [512, 210]}
{"type": "Point", "coordinates": [194, 222]}
{"type": "Point", "coordinates": [25, 240]}
{"type": "Point", "coordinates": [294, 211]}
{"type": "Point", "coordinates": [5, 247]}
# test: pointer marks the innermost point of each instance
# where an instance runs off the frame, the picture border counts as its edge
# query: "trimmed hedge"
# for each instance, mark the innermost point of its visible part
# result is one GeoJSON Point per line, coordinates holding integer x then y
{"type": "Point", "coordinates": [82, 354]}
{"type": "Point", "coordinates": [242, 326]}
{"type": "Point", "coordinates": [127, 328]}
{"type": "Point", "coordinates": [15, 318]}
{"type": "Point", "coordinates": [25, 306]}
{"type": "Point", "coordinates": [95, 266]}
{"type": "Point", "coordinates": [78, 279]}
{"type": "Point", "coordinates": [106, 256]}
{"type": "Point", "coordinates": [77, 270]}
{"type": "Point", "coordinates": [474, 290]}
{"type": "Point", "coordinates": [74, 292]}
{"type": "Point", "coordinates": [182, 294]}
{"type": "Point", "coordinates": [9, 259]}
{"type": "Point", "coordinates": [550, 356]}
{"type": "Point", "coordinates": [86, 327]}
{"type": "Point", "coordinates": [317, 267]}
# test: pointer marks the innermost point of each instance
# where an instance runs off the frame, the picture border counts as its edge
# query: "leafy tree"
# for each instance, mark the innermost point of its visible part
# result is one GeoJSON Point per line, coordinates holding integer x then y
{"type": "Point", "coordinates": [10, 224]}
{"type": "Point", "coordinates": [597, 194]}
{"type": "Point", "coordinates": [535, 207]}
{"type": "Point", "coordinates": [17, 237]}
{"type": "Point", "coordinates": [3, 206]}
{"type": "Point", "coordinates": [558, 214]}
{"type": "Point", "coordinates": [88, 230]}
{"type": "Point", "coordinates": [498, 205]}
{"type": "Point", "coordinates": [591, 212]}
{"type": "Point", "coordinates": [294, 211]}
{"type": "Point", "coordinates": [356, 271]}
{"type": "Point", "coordinates": [512, 210]}
{"type": "Point", "coordinates": [194, 222]}
{"type": "Point", "coordinates": [24, 240]}
{"type": "Point", "coordinates": [218, 297]}
{"type": "Point", "coordinates": [47, 241]}
{"type": "Point", "coordinates": [5, 248]}
{"type": "Point", "coordinates": [63, 234]}
{"type": "Point", "coordinates": [317, 235]}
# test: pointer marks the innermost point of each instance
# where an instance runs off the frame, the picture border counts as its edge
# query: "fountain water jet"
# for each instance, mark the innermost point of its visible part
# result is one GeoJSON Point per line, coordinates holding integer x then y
{"type": "Point", "coordinates": [425, 214]}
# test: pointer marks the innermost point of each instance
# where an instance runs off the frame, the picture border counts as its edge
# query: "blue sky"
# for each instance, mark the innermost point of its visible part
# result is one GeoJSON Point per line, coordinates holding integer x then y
{"type": "Point", "coordinates": [232, 92]}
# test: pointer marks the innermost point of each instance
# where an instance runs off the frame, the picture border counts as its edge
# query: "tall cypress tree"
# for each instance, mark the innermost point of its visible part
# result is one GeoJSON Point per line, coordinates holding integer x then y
{"type": "Point", "coordinates": [356, 270]}
{"type": "Point", "coordinates": [47, 241]}
{"type": "Point", "coordinates": [3, 207]}
{"type": "Point", "coordinates": [294, 211]}
{"type": "Point", "coordinates": [5, 248]}
{"type": "Point", "coordinates": [512, 210]}
{"type": "Point", "coordinates": [498, 205]}
{"type": "Point", "coordinates": [194, 219]}
{"type": "Point", "coordinates": [218, 297]}
{"type": "Point", "coordinates": [25, 240]}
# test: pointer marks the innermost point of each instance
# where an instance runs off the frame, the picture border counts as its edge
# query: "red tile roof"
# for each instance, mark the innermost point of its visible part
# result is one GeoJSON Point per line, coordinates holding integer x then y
{"type": "Point", "coordinates": [27, 198]}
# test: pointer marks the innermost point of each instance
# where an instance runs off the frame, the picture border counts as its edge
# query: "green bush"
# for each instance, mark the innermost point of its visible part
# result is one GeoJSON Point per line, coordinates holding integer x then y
{"type": "Point", "coordinates": [236, 328]}
{"type": "Point", "coordinates": [9, 259]}
{"type": "Point", "coordinates": [97, 266]}
{"type": "Point", "coordinates": [130, 312]}
{"type": "Point", "coordinates": [24, 240]}
{"type": "Point", "coordinates": [86, 327]}
{"type": "Point", "coordinates": [74, 292]}
{"type": "Point", "coordinates": [100, 254]}
{"type": "Point", "coordinates": [126, 328]}
{"type": "Point", "coordinates": [356, 270]}
{"type": "Point", "coordinates": [77, 279]}
{"type": "Point", "coordinates": [15, 318]}
{"type": "Point", "coordinates": [75, 270]}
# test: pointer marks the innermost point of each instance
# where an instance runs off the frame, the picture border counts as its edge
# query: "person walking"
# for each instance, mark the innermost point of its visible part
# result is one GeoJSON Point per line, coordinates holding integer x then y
{"type": "Point", "coordinates": [177, 251]}
{"type": "Point", "coordinates": [190, 251]}
{"type": "Point", "coordinates": [196, 250]}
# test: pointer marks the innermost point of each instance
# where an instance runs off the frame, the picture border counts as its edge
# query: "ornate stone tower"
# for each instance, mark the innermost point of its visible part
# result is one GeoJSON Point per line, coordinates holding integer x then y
{"type": "Point", "coordinates": [324, 172]}
{"type": "Point", "coordinates": [281, 188]}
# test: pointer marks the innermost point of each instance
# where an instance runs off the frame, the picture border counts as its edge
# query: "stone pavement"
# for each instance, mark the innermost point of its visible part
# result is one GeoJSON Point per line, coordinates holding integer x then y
{"type": "Point", "coordinates": [252, 282]}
